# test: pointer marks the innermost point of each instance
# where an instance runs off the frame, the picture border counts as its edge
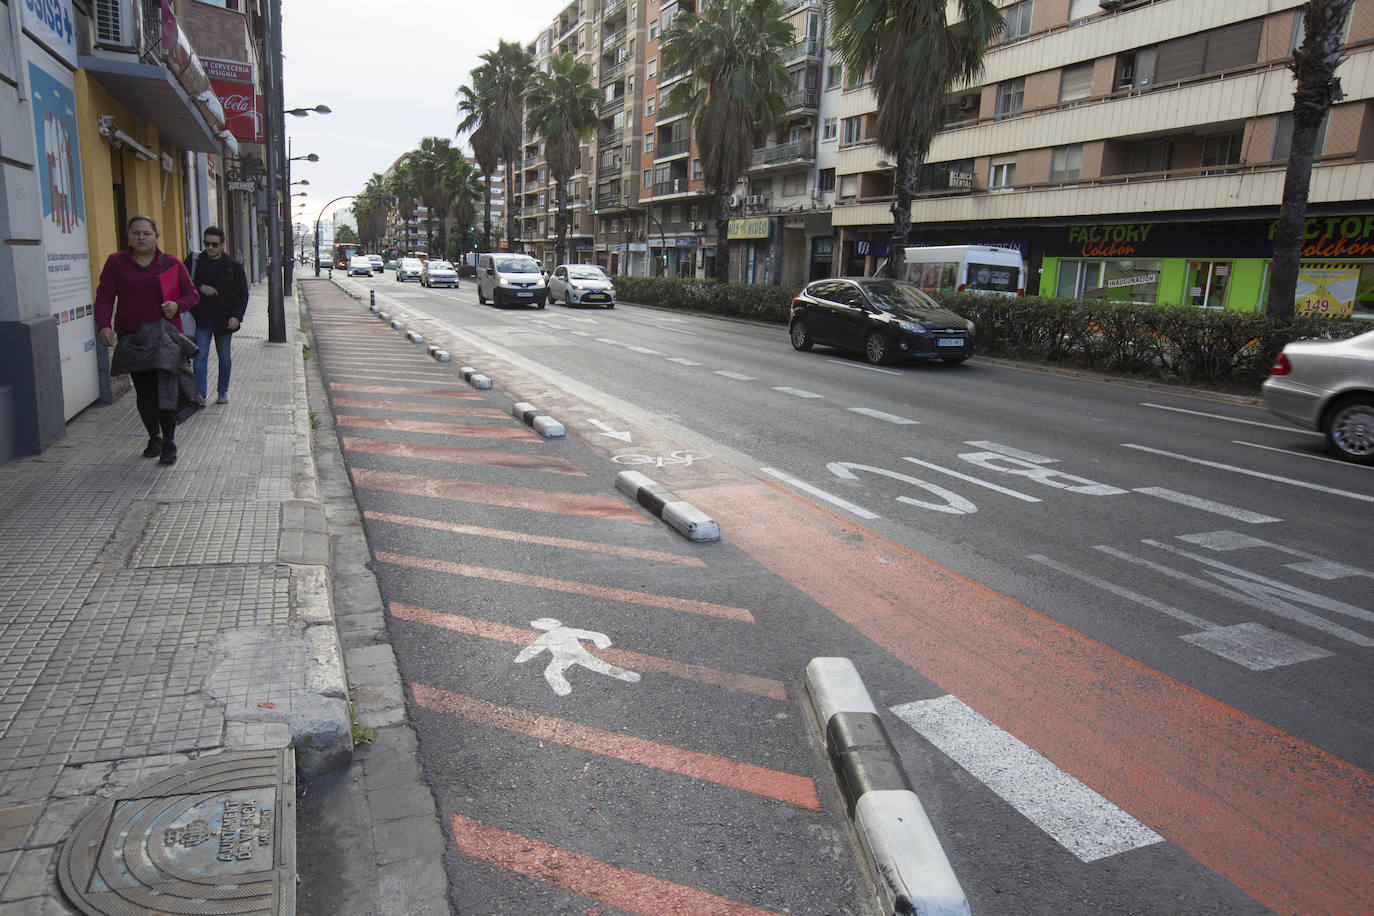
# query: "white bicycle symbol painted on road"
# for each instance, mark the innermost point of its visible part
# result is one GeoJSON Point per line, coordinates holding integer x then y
{"type": "Point", "coordinates": [676, 458]}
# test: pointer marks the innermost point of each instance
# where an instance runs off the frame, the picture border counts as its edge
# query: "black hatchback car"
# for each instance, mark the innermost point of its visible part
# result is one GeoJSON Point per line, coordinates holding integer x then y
{"type": "Point", "coordinates": [884, 319]}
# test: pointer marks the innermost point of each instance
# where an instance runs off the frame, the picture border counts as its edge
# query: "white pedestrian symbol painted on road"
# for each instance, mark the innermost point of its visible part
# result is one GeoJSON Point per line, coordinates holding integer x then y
{"type": "Point", "coordinates": [564, 645]}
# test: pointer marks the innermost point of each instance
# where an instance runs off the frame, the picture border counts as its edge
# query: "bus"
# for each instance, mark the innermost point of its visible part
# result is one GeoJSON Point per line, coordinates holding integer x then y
{"type": "Point", "coordinates": [344, 252]}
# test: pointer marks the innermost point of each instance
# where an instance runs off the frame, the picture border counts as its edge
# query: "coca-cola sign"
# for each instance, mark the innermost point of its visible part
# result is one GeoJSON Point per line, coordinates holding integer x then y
{"type": "Point", "coordinates": [242, 110]}
{"type": "Point", "coordinates": [234, 71]}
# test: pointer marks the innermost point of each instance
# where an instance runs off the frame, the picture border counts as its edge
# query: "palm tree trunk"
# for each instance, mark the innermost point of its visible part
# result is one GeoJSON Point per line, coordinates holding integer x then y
{"type": "Point", "coordinates": [908, 166]}
{"type": "Point", "coordinates": [510, 214]}
{"type": "Point", "coordinates": [560, 230]}
{"type": "Point", "coordinates": [1315, 65]}
{"type": "Point", "coordinates": [486, 220]}
{"type": "Point", "coordinates": [722, 273]}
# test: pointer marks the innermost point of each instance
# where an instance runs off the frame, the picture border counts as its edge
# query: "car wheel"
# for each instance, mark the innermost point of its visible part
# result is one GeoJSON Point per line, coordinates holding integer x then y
{"type": "Point", "coordinates": [801, 337]}
{"type": "Point", "coordinates": [539, 304]}
{"type": "Point", "coordinates": [481, 299]}
{"type": "Point", "coordinates": [953, 360]}
{"type": "Point", "coordinates": [876, 349]}
{"type": "Point", "coordinates": [1349, 429]}
{"type": "Point", "coordinates": [611, 305]}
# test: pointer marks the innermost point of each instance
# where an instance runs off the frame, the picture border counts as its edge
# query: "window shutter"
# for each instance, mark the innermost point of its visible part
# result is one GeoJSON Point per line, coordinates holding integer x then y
{"type": "Point", "coordinates": [1234, 46]}
{"type": "Point", "coordinates": [1076, 82]}
{"type": "Point", "coordinates": [1181, 59]}
{"type": "Point", "coordinates": [1080, 8]}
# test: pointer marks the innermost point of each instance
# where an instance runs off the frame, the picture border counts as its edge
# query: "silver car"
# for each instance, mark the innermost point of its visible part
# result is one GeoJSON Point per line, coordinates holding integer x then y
{"type": "Point", "coordinates": [438, 273]}
{"type": "Point", "coordinates": [409, 269]}
{"type": "Point", "coordinates": [581, 284]}
{"type": "Point", "coordinates": [1328, 385]}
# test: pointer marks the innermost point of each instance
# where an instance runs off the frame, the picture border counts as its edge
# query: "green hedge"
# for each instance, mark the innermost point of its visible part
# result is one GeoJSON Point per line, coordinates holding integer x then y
{"type": "Point", "coordinates": [1174, 344]}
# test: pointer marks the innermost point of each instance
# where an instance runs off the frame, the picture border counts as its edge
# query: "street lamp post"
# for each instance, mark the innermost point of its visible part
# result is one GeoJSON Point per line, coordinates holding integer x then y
{"type": "Point", "coordinates": [326, 207]}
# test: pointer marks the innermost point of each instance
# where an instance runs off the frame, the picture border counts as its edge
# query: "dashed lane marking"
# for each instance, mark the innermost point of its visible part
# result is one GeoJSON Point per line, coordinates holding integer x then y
{"type": "Point", "coordinates": [797, 392]}
{"type": "Point", "coordinates": [1207, 505]}
{"type": "Point", "coordinates": [1363, 497]}
{"type": "Point", "coordinates": [885, 417]}
{"type": "Point", "coordinates": [633, 553]}
{"type": "Point", "coordinates": [453, 455]}
{"type": "Point", "coordinates": [746, 777]}
{"type": "Point", "coordinates": [443, 429]}
{"type": "Point", "coordinates": [712, 677]}
{"type": "Point", "coordinates": [623, 889]}
{"type": "Point", "coordinates": [485, 494]}
{"type": "Point", "coordinates": [569, 587]}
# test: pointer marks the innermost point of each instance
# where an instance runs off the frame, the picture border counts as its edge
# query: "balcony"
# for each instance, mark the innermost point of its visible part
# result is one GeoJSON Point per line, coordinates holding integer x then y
{"type": "Point", "coordinates": [673, 148]}
{"type": "Point", "coordinates": [611, 8]}
{"type": "Point", "coordinates": [611, 106]}
{"type": "Point", "coordinates": [671, 186]}
{"type": "Point", "coordinates": [612, 203]}
{"type": "Point", "coordinates": [613, 72]}
{"type": "Point", "coordinates": [609, 168]}
{"type": "Point", "coordinates": [798, 152]}
{"type": "Point", "coordinates": [807, 47]}
{"type": "Point", "coordinates": [610, 41]}
{"type": "Point", "coordinates": [610, 136]}
{"type": "Point", "coordinates": [802, 99]}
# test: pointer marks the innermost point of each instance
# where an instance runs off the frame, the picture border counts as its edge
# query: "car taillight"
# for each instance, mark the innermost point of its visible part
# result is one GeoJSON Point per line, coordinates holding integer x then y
{"type": "Point", "coordinates": [796, 302]}
{"type": "Point", "coordinates": [961, 288]}
{"type": "Point", "coordinates": [1281, 365]}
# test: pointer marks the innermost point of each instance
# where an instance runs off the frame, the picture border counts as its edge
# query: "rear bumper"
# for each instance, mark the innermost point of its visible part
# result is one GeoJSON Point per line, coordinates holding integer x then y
{"type": "Point", "coordinates": [1295, 403]}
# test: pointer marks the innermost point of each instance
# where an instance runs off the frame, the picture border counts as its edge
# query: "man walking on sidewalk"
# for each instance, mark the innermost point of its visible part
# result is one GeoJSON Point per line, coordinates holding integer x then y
{"type": "Point", "coordinates": [223, 289]}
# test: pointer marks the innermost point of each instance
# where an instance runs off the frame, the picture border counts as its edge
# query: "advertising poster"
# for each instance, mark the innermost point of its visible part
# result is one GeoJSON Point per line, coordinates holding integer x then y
{"type": "Point", "coordinates": [1326, 290]}
{"type": "Point", "coordinates": [64, 226]}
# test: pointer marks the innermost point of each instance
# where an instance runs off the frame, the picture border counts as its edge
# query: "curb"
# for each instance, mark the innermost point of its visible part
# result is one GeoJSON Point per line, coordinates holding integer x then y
{"type": "Point", "coordinates": [682, 516]}
{"type": "Point", "coordinates": [543, 424]}
{"type": "Point", "coordinates": [474, 378]}
{"type": "Point", "coordinates": [904, 855]}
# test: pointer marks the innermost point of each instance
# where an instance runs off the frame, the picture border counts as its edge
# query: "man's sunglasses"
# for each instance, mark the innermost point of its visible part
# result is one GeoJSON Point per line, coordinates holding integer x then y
{"type": "Point", "coordinates": [213, 244]}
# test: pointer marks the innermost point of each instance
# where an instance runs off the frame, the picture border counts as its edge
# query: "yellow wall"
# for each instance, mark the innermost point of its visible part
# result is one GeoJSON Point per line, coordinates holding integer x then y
{"type": "Point", "coordinates": [143, 179]}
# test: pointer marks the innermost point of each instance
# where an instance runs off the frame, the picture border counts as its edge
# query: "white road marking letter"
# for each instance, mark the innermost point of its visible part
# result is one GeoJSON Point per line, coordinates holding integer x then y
{"type": "Point", "coordinates": [564, 645]}
{"type": "Point", "coordinates": [953, 504]}
{"type": "Point", "coordinates": [1007, 460]}
{"type": "Point", "coordinates": [1073, 815]}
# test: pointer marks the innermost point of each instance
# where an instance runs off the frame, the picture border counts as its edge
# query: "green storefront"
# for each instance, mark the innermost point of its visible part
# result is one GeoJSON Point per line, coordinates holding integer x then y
{"type": "Point", "coordinates": [1220, 264]}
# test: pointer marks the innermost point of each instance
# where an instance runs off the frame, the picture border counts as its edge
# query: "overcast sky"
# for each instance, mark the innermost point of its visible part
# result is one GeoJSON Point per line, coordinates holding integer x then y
{"type": "Point", "coordinates": [388, 71]}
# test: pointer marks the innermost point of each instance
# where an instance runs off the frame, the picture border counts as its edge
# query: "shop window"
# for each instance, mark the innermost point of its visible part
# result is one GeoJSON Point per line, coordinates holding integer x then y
{"type": "Point", "coordinates": [1066, 162]}
{"type": "Point", "coordinates": [1010, 95]}
{"type": "Point", "coordinates": [1208, 283]}
{"type": "Point", "coordinates": [1332, 288]}
{"type": "Point", "coordinates": [1114, 281]}
{"type": "Point", "coordinates": [1018, 19]}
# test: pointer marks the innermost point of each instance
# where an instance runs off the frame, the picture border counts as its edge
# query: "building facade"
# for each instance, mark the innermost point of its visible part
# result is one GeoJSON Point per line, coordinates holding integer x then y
{"type": "Point", "coordinates": [106, 112]}
{"type": "Point", "coordinates": [1133, 151]}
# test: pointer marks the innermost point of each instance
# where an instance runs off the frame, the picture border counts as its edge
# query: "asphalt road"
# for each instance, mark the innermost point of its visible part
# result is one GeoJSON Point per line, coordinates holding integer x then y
{"type": "Point", "coordinates": [1123, 633]}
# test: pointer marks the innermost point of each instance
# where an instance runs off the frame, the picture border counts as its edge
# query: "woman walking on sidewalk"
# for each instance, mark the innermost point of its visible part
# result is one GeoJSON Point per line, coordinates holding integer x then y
{"type": "Point", "coordinates": [149, 286]}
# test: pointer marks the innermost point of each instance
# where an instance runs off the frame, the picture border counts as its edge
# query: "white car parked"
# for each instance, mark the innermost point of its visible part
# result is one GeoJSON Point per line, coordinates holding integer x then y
{"type": "Point", "coordinates": [581, 284]}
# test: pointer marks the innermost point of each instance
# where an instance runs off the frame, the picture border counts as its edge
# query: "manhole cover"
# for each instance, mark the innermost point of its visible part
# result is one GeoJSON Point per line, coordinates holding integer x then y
{"type": "Point", "coordinates": [215, 836]}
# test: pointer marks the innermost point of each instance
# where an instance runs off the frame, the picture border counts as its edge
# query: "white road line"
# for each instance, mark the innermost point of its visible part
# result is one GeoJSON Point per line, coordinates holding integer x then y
{"type": "Point", "coordinates": [854, 365]}
{"type": "Point", "coordinates": [1122, 592]}
{"type": "Point", "coordinates": [683, 362]}
{"type": "Point", "coordinates": [610, 340]}
{"type": "Point", "coordinates": [797, 392]}
{"type": "Point", "coordinates": [1216, 416]}
{"type": "Point", "coordinates": [737, 376]}
{"type": "Point", "coordinates": [1289, 451]}
{"type": "Point", "coordinates": [1010, 452]}
{"type": "Point", "coordinates": [982, 483]}
{"type": "Point", "coordinates": [1206, 505]}
{"type": "Point", "coordinates": [644, 350]}
{"type": "Point", "coordinates": [879, 415]}
{"type": "Point", "coordinates": [1230, 467]}
{"type": "Point", "coordinates": [820, 494]}
{"type": "Point", "coordinates": [1073, 815]}
{"type": "Point", "coordinates": [1273, 605]}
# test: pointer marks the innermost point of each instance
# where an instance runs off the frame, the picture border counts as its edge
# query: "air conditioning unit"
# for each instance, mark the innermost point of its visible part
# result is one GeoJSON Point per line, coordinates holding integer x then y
{"type": "Point", "coordinates": [965, 102]}
{"type": "Point", "coordinates": [117, 24]}
{"type": "Point", "coordinates": [733, 201]}
{"type": "Point", "coordinates": [755, 200]}
{"type": "Point", "coordinates": [697, 227]}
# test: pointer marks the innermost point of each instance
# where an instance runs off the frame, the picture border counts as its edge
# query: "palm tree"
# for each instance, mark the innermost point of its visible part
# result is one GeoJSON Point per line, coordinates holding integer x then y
{"type": "Point", "coordinates": [736, 86]}
{"type": "Point", "coordinates": [400, 184]}
{"type": "Point", "coordinates": [509, 69]}
{"type": "Point", "coordinates": [432, 165]}
{"type": "Point", "coordinates": [1314, 65]}
{"type": "Point", "coordinates": [370, 207]}
{"type": "Point", "coordinates": [916, 58]}
{"type": "Point", "coordinates": [562, 110]}
{"type": "Point", "coordinates": [475, 109]}
{"type": "Point", "coordinates": [464, 188]}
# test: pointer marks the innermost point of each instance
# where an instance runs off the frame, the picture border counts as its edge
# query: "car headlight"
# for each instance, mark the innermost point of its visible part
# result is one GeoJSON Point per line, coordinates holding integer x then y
{"type": "Point", "coordinates": [911, 327]}
{"type": "Point", "coordinates": [505, 282]}
{"type": "Point", "coordinates": [969, 325]}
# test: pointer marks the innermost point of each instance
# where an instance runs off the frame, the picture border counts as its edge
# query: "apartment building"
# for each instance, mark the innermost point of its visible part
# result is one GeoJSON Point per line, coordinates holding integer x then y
{"type": "Point", "coordinates": [1134, 151]}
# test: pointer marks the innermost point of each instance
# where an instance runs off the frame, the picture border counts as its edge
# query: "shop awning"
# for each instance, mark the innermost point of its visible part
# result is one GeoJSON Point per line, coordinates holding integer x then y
{"type": "Point", "coordinates": [152, 93]}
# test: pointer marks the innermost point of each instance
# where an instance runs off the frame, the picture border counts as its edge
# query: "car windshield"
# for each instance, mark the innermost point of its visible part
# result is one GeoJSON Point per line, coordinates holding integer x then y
{"type": "Point", "coordinates": [410, 264]}
{"type": "Point", "coordinates": [518, 265]}
{"type": "Point", "coordinates": [898, 296]}
{"type": "Point", "coordinates": [585, 272]}
{"type": "Point", "coordinates": [440, 265]}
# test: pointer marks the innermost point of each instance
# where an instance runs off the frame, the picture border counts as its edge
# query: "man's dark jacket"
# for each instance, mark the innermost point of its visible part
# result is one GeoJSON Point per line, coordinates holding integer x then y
{"type": "Point", "coordinates": [226, 275]}
{"type": "Point", "coordinates": [158, 346]}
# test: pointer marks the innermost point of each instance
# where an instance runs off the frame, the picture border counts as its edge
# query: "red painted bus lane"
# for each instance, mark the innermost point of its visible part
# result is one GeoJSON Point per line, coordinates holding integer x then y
{"type": "Point", "coordinates": [1283, 820]}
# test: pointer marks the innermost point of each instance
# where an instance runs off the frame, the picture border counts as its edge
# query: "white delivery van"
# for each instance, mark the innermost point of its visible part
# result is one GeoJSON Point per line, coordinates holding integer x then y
{"type": "Point", "coordinates": [966, 268]}
{"type": "Point", "coordinates": [510, 278]}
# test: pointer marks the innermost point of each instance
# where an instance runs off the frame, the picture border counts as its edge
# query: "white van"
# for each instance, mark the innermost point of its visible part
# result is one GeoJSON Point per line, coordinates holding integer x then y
{"type": "Point", "coordinates": [507, 277]}
{"type": "Point", "coordinates": [966, 268]}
